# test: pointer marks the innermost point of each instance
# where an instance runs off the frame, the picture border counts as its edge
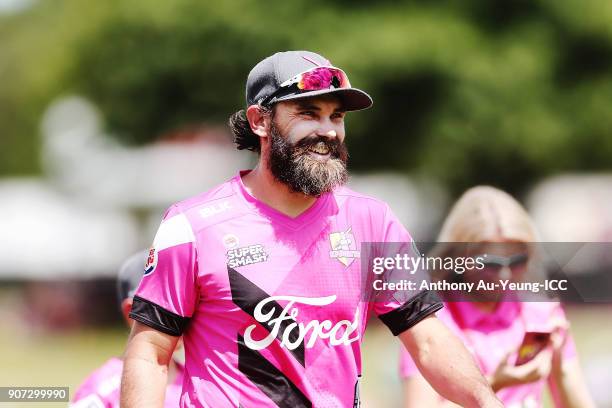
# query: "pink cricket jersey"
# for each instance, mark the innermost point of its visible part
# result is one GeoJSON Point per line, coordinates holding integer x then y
{"type": "Point", "coordinates": [101, 389]}
{"type": "Point", "coordinates": [490, 336]}
{"type": "Point", "coordinates": [270, 307]}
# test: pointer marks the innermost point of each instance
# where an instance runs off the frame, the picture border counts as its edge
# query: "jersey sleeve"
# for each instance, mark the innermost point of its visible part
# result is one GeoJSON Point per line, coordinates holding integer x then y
{"type": "Point", "coordinates": [402, 310]}
{"type": "Point", "coordinates": [167, 295]}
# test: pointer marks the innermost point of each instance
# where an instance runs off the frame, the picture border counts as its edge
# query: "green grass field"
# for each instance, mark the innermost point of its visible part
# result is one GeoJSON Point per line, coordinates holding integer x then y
{"type": "Point", "coordinates": [64, 359]}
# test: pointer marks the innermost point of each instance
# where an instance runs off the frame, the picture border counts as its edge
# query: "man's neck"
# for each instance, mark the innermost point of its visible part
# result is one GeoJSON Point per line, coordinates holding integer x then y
{"type": "Point", "coordinates": [262, 185]}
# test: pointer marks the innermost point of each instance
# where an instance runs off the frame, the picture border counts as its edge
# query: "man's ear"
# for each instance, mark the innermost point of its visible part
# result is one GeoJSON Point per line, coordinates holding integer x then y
{"type": "Point", "coordinates": [257, 120]}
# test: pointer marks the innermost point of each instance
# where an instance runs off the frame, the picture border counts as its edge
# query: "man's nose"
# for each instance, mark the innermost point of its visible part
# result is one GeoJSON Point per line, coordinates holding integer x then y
{"type": "Point", "coordinates": [331, 133]}
{"type": "Point", "coordinates": [327, 130]}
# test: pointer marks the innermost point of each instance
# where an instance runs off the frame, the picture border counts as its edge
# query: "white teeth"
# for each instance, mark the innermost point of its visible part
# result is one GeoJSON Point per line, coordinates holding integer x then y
{"type": "Point", "coordinates": [320, 148]}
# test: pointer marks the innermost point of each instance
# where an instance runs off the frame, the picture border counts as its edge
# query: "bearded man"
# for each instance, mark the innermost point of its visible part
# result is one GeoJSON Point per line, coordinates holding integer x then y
{"type": "Point", "coordinates": [261, 275]}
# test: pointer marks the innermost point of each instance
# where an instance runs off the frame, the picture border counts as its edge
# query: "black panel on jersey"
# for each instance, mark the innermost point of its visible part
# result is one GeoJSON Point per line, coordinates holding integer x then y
{"type": "Point", "coordinates": [246, 295]}
{"type": "Point", "coordinates": [269, 379]}
{"type": "Point", "coordinates": [411, 312]}
{"type": "Point", "coordinates": [157, 317]}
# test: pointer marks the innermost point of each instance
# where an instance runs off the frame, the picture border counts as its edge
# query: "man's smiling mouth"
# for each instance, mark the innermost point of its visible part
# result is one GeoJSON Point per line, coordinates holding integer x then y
{"type": "Point", "coordinates": [320, 150]}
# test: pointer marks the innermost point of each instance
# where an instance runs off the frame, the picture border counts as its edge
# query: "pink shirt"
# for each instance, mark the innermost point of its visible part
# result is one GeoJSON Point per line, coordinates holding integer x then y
{"type": "Point", "coordinates": [490, 336]}
{"type": "Point", "coordinates": [270, 307]}
{"type": "Point", "coordinates": [101, 389]}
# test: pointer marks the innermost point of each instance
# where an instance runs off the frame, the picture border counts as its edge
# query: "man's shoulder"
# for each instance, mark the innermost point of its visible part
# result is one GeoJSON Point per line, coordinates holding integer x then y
{"type": "Point", "coordinates": [358, 201]}
{"type": "Point", "coordinates": [214, 205]}
{"type": "Point", "coordinates": [189, 217]}
{"type": "Point", "coordinates": [219, 193]}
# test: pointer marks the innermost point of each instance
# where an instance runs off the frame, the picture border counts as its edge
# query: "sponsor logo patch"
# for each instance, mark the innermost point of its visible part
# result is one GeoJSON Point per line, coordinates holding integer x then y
{"type": "Point", "coordinates": [214, 209]}
{"type": "Point", "coordinates": [340, 333]}
{"type": "Point", "coordinates": [246, 255]}
{"type": "Point", "coordinates": [151, 262]}
{"type": "Point", "coordinates": [230, 241]}
{"type": "Point", "coordinates": [343, 247]}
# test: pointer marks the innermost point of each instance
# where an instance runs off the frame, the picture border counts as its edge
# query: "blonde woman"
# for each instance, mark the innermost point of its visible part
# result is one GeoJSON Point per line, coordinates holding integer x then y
{"type": "Point", "coordinates": [493, 330]}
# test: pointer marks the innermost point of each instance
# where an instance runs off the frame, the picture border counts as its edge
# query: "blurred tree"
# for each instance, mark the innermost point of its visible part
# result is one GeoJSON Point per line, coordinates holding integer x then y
{"type": "Point", "coordinates": [36, 48]}
{"type": "Point", "coordinates": [149, 80]}
{"type": "Point", "coordinates": [471, 92]}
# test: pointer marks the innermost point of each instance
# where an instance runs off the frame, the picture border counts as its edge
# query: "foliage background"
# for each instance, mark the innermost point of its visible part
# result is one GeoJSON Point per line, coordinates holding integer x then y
{"type": "Point", "coordinates": [467, 92]}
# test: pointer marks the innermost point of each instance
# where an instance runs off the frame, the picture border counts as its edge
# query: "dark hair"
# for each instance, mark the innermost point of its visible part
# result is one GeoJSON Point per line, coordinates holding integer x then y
{"type": "Point", "coordinates": [244, 137]}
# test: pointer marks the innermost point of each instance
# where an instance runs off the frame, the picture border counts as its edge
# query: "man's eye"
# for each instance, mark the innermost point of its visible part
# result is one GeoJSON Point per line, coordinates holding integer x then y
{"type": "Point", "coordinates": [338, 116]}
{"type": "Point", "coordinates": [308, 113]}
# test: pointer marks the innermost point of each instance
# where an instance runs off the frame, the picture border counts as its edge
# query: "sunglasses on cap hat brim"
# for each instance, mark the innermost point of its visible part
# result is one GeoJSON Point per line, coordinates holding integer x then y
{"type": "Point", "coordinates": [320, 81]}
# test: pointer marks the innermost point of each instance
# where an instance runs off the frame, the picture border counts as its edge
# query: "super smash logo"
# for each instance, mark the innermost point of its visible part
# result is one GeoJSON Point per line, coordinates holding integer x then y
{"type": "Point", "coordinates": [246, 255]}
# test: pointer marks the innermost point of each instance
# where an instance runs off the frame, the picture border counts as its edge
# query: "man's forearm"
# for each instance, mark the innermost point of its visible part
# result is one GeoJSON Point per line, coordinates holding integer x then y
{"type": "Point", "coordinates": [143, 383]}
{"type": "Point", "coordinates": [447, 365]}
{"type": "Point", "coordinates": [452, 372]}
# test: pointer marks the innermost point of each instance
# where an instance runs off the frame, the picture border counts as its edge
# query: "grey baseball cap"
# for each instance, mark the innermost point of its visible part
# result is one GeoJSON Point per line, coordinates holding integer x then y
{"type": "Point", "coordinates": [265, 79]}
{"type": "Point", "coordinates": [130, 274]}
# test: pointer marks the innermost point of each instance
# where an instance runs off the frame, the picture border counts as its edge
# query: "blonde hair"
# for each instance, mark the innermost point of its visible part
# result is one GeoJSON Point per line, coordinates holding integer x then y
{"type": "Point", "coordinates": [482, 215]}
{"type": "Point", "coordinates": [485, 213]}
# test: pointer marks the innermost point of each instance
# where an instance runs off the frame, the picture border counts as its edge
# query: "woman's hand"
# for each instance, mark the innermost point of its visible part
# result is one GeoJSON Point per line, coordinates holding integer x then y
{"type": "Point", "coordinates": [557, 339]}
{"type": "Point", "coordinates": [567, 384]}
{"type": "Point", "coordinates": [507, 374]}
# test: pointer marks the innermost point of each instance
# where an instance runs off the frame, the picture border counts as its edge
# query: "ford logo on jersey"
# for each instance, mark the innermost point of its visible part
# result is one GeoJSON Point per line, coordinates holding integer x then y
{"type": "Point", "coordinates": [343, 332]}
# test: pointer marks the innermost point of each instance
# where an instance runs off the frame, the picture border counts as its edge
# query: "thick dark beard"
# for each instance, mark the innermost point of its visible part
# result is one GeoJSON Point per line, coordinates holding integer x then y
{"type": "Point", "coordinates": [292, 165]}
